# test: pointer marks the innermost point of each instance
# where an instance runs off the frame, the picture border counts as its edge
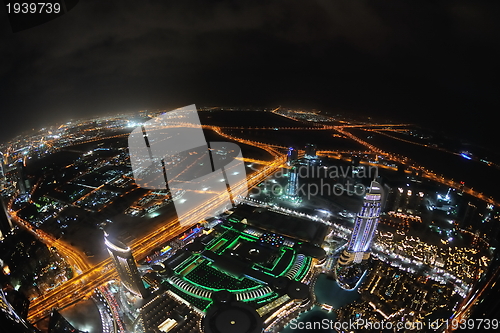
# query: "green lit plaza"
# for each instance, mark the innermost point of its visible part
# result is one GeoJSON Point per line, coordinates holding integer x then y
{"type": "Point", "coordinates": [236, 260]}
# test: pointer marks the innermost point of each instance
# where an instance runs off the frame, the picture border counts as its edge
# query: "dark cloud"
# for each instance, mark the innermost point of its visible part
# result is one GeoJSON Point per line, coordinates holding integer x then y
{"type": "Point", "coordinates": [399, 58]}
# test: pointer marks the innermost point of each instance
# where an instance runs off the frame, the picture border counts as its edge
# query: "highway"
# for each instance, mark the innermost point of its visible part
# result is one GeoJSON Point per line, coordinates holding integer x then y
{"type": "Point", "coordinates": [425, 173]}
{"type": "Point", "coordinates": [92, 277]}
{"type": "Point", "coordinates": [75, 258]}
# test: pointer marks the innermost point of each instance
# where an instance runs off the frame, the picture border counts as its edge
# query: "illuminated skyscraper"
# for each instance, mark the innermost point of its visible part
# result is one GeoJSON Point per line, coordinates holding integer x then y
{"type": "Point", "coordinates": [126, 266]}
{"type": "Point", "coordinates": [22, 182]}
{"type": "Point", "coordinates": [358, 248]}
{"type": "Point", "coordinates": [292, 187]}
{"type": "Point", "coordinates": [5, 222]}
{"type": "Point", "coordinates": [292, 155]}
{"type": "Point", "coordinates": [10, 321]}
{"type": "Point", "coordinates": [2, 165]}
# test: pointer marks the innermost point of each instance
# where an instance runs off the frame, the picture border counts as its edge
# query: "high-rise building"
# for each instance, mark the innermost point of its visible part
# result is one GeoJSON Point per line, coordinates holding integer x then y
{"type": "Point", "coordinates": [358, 248]}
{"type": "Point", "coordinates": [292, 156]}
{"type": "Point", "coordinates": [59, 324]}
{"type": "Point", "coordinates": [2, 165]}
{"type": "Point", "coordinates": [22, 182]}
{"type": "Point", "coordinates": [10, 320]}
{"type": "Point", "coordinates": [310, 152]}
{"type": "Point", "coordinates": [126, 266]}
{"type": "Point", "coordinates": [17, 300]}
{"type": "Point", "coordinates": [470, 217]}
{"type": "Point", "coordinates": [292, 187]}
{"type": "Point", "coordinates": [5, 221]}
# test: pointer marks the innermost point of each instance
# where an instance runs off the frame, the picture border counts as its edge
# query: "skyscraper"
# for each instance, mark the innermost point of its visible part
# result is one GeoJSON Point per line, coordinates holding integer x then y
{"type": "Point", "coordinates": [5, 222]}
{"type": "Point", "coordinates": [10, 321]}
{"type": "Point", "coordinates": [358, 248]}
{"type": "Point", "coordinates": [59, 324]}
{"type": "Point", "coordinates": [2, 165]}
{"type": "Point", "coordinates": [126, 266]}
{"type": "Point", "coordinates": [292, 155]}
{"type": "Point", "coordinates": [22, 182]}
{"type": "Point", "coordinates": [292, 187]}
{"type": "Point", "coordinates": [310, 151]}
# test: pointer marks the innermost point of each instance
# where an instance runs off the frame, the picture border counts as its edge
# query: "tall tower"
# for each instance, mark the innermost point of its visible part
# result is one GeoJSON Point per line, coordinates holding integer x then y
{"type": "Point", "coordinates": [292, 187]}
{"type": "Point", "coordinates": [358, 248]}
{"type": "Point", "coordinates": [292, 155]}
{"type": "Point", "coordinates": [310, 151]}
{"type": "Point", "coordinates": [126, 266]}
{"type": "Point", "coordinates": [2, 165]}
{"type": "Point", "coordinates": [10, 320]}
{"type": "Point", "coordinates": [5, 221]}
{"type": "Point", "coordinates": [22, 182]}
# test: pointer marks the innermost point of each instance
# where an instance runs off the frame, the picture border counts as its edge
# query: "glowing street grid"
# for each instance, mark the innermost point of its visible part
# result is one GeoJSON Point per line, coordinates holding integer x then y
{"type": "Point", "coordinates": [240, 259]}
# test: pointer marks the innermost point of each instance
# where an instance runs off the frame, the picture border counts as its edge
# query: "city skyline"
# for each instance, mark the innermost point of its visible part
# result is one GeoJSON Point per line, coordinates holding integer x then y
{"type": "Point", "coordinates": [428, 63]}
{"type": "Point", "coordinates": [251, 166]}
{"type": "Point", "coordinates": [276, 243]}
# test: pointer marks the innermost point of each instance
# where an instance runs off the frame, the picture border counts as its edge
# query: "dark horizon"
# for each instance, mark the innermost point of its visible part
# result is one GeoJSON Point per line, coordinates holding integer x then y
{"type": "Point", "coordinates": [428, 63]}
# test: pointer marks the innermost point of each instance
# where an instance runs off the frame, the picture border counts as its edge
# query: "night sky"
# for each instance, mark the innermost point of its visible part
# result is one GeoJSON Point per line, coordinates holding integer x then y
{"type": "Point", "coordinates": [432, 62]}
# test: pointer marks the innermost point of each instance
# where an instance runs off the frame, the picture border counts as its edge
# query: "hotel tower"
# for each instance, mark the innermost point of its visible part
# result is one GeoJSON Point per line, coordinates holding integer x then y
{"type": "Point", "coordinates": [358, 248]}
